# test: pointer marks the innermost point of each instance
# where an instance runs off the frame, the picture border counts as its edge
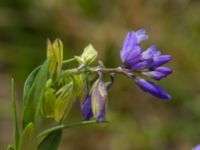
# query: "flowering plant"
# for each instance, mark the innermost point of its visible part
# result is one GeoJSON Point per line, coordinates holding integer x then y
{"type": "Point", "coordinates": [51, 89]}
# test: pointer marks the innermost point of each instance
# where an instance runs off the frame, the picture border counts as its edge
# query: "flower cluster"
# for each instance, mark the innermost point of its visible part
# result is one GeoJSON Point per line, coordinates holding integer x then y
{"type": "Point", "coordinates": [148, 63]}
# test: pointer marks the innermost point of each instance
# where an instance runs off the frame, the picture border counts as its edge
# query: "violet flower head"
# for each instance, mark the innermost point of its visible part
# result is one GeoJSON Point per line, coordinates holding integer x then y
{"type": "Point", "coordinates": [148, 63]}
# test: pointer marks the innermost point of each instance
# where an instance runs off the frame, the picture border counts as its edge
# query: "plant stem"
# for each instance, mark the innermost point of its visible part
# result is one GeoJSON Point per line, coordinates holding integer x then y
{"type": "Point", "coordinates": [97, 69]}
{"type": "Point", "coordinates": [16, 127]}
{"type": "Point", "coordinates": [69, 60]}
{"type": "Point", "coordinates": [67, 126]}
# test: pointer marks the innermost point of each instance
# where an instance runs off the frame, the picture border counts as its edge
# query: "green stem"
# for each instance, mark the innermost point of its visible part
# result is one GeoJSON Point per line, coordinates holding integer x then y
{"type": "Point", "coordinates": [16, 128]}
{"type": "Point", "coordinates": [69, 60]}
{"type": "Point", "coordinates": [118, 70]}
{"type": "Point", "coordinates": [67, 126]}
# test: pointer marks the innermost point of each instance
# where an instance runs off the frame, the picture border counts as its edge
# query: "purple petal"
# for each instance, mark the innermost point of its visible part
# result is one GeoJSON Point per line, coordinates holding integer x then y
{"type": "Point", "coordinates": [133, 57]}
{"type": "Point", "coordinates": [160, 60]}
{"type": "Point", "coordinates": [152, 88]}
{"type": "Point", "coordinates": [164, 70]}
{"type": "Point", "coordinates": [197, 147]}
{"type": "Point", "coordinates": [87, 108]}
{"type": "Point", "coordinates": [129, 43]}
{"type": "Point", "coordinates": [150, 53]}
{"type": "Point", "coordinates": [155, 75]}
{"type": "Point", "coordinates": [141, 35]}
{"type": "Point", "coordinates": [142, 65]}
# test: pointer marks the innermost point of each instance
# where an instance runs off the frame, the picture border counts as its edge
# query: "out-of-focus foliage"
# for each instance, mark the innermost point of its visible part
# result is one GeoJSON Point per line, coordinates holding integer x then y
{"type": "Point", "coordinates": [138, 121]}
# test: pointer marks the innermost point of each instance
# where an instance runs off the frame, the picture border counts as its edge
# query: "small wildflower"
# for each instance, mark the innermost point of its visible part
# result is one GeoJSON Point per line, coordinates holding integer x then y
{"type": "Point", "coordinates": [94, 104]}
{"type": "Point", "coordinates": [148, 62]}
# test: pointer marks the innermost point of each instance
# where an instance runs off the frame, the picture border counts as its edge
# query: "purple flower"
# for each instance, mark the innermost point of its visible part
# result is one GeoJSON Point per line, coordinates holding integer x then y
{"type": "Point", "coordinates": [152, 88]}
{"type": "Point", "coordinates": [86, 108]}
{"type": "Point", "coordinates": [132, 39]}
{"type": "Point", "coordinates": [94, 104]}
{"type": "Point", "coordinates": [197, 147]}
{"type": "Point", "coordinates": [148, 62]}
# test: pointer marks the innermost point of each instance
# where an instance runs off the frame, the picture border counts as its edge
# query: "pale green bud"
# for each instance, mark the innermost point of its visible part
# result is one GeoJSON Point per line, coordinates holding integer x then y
{"type": "Point", "coordinates": [64, 102]}
{"type": "Point", "coordinates": [48, 102]}
{"type": "Point", "coordinates": [55, 53]}
{"type": "Point", "coordinates": [80, 85]}
{"type": "Point", "coordinates": [89, 55]}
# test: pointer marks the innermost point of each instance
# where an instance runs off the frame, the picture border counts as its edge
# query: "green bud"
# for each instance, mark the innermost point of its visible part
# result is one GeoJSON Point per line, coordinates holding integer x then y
{"type": "Point", "coordinates": [48, 102]}
{"type": "Point", "coordinates": [80, 85]}
{"type": "Point", "coordinates": [55, 53]}
{"type": "Point", "coordinates": [88, 56]}
{"type": "Point", "coordinates": [64, 102]}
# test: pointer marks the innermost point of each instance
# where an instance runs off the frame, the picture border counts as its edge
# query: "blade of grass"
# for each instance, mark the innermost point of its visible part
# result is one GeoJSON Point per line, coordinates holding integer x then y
{"type": "Point", "coordinates": [16, 128]}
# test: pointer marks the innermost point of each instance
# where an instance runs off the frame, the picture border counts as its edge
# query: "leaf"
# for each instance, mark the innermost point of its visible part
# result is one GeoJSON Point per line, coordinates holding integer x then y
{"type": "Point", "coordinates": [28, 138]}
{"type": "Point", "coordinates": [29, 82]}
{"type": "Point", "coordinates": [16, 126]}
{"type": "Point", "coordinates": [35, 94]}
{"type": "Point", "coordinates": [10, 147]}
{"type": "Point", "coordinates": [51, 142]}
{"type": "Point", "coordinates": [59, 127]}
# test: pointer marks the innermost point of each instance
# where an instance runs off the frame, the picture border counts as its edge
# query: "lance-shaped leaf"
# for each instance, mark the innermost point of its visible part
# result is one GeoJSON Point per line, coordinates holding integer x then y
{"type": "Point", "coordinates": [28, 139]}
{"type": "Point", "coordinates": [35, 94]}
{"type": "Point", "coordinates": [98, 98]}
{"type": "Point", "coordinates": [28, 83]}
{"type": "Point", "coordinates": [51, 142]}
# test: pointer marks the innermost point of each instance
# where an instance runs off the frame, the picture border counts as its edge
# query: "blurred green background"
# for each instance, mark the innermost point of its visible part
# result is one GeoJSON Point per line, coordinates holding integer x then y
{"type": "Point", "coordinates": [138, 121]}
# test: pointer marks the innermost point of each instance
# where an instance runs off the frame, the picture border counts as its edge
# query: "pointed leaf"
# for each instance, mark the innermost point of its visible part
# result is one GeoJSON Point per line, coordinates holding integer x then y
{"type": "Point", "coordinates": [28, 138]}
{"type": "Point", "coordinates": [29, 82]}
{"type": "Point", "coordinates": [51, 142]}
{"type": "Point", "coordinates": [35, 94]}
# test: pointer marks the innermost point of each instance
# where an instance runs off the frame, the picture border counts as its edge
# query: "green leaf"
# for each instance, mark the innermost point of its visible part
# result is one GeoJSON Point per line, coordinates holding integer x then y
{"type": "Point", "coordinates": [28, 139]}
{"type": "Point", "coordinates": [29, 82]}
{"type": "Point", "coordinates": [51, 142]}
{"type": "Point", "coordinates": [59, 127]}
{"type": "Point", "coordinates": [16, 126]}
{"type": "Point", "coordinates": [10, 147]}
{"type": "Point", "coordinates": [35, 94]}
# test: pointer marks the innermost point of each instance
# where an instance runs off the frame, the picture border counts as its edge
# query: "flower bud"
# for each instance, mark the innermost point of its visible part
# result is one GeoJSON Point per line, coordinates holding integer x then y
{"type": "Point", "coordinates": [48, 102]}
{"type": "Point", "coordinates": [55, 54]}
{"type": "Point", "coordinates": [64, 102]}
{"type": "Point", "coordinates": [88, 56]}
{"type": "Point", "coordinates": [98, 99]}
